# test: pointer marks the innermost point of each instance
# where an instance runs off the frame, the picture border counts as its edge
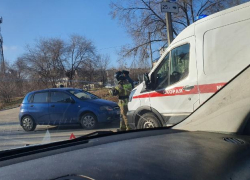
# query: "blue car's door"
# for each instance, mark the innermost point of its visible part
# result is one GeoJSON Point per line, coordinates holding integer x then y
{"type": "Point", "coordinates": [38, 108]}
{"type": "Point", "coordinates": [61, 108]}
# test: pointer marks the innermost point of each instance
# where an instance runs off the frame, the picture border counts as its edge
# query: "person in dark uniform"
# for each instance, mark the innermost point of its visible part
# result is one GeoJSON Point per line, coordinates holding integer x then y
{"type": "Point", "coordinates": [122, 90]}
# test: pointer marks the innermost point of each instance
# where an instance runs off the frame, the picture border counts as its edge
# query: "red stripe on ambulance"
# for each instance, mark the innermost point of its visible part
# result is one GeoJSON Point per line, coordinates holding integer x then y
{"type": "Point", "coordinates": [205, 88]}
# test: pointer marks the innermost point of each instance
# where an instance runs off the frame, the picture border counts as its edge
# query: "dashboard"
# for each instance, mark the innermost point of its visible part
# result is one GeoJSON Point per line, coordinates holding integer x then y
{"type": "Point", "coordinates": [148, 154]}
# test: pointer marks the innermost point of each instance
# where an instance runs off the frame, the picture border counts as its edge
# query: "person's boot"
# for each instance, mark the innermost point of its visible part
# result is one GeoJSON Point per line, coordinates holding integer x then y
{"type": "Point", "coordinates": [120, 130]}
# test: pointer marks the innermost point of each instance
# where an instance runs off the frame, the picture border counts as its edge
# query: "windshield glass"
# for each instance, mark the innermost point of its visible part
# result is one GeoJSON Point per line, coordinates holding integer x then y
{"type": "Point", "coordinates": [82, 94]}
{"type": "Point", "coordinates": [70, 68]}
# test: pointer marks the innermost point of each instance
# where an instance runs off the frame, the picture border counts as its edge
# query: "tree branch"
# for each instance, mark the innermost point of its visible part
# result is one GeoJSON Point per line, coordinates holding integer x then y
{"type": "Point", "coordinates": [146, 43]}
{"type": "Point", "coordinates": [153, 11]}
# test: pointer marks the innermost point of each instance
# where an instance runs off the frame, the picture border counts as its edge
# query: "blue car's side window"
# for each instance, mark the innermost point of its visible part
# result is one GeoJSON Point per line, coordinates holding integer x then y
{"type": "Point", "coordinates": [59, 97]}
{"type": "Point", "coordinates": [30, 98]}
{"type": "Point", "coordinates": [41, 97]}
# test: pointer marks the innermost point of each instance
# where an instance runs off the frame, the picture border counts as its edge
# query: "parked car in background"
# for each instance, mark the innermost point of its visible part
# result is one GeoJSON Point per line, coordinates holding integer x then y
{"type": "Point", "coordinates": [59, 106]}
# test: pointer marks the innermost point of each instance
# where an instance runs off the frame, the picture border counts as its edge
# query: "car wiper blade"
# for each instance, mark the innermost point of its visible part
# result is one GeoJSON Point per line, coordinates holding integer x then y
{"type": "Point", "coordinates": [107, 133]}
{"type": "Point", "coordinates": [96, 134]}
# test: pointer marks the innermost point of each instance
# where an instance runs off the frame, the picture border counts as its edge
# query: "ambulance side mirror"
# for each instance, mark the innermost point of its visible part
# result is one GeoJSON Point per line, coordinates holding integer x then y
{"type": "Point", "coordinates": [147, 81]}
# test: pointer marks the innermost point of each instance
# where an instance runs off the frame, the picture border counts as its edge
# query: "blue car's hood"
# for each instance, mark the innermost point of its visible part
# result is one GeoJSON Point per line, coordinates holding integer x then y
{"type": "Point", "coordinates": [102, 102]}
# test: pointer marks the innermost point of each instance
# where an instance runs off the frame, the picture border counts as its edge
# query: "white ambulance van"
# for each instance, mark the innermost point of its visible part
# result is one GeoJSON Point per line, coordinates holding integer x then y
{"type": "Point", "coordinates": [200, 60]}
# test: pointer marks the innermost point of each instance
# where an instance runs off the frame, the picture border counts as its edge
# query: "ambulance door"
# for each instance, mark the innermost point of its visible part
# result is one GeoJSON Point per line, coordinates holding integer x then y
{"type": "Point", "coordinates": [175, 83]}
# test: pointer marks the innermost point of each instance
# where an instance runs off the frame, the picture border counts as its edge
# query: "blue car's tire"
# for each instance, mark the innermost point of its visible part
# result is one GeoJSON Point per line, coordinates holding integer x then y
{"type": "Point", "coordinates": [28, 124]}
{"type": "Point", "coordinates": [88, 121]}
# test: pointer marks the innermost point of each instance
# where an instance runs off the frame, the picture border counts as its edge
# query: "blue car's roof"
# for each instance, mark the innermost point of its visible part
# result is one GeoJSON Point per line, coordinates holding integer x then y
{"type": "Point", "coordinates": [60, 89]}
{"type": "Point", "coordinates": [63, 89]}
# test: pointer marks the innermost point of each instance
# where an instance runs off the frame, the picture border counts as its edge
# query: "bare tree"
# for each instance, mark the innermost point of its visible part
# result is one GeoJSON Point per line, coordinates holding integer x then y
{"type": "Point", "coordinates": [103, 62]}
{"type": "Point", "coordinates": [20, 67]}
{"type": "Point", "coordinates": [79, 52]}
{"type": "Point", "coordinates": [46, 60]}
{"type": "Point", "coordinates": [8, 88]}
{"type": "Point", "coordinates": [50, 60]}
{"type": "Point", "coordinates": [141, 17]}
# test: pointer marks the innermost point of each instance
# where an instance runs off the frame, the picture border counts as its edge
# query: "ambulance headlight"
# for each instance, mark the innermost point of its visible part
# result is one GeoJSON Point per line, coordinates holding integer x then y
{"type": "Point", "coordinates": [131, 95]}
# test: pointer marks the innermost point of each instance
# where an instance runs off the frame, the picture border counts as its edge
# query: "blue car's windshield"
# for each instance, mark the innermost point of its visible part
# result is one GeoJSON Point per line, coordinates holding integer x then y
{"type": "Point", "coordinates": [83, 95]}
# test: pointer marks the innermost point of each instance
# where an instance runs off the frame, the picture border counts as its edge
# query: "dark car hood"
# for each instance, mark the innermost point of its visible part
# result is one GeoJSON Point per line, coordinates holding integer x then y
{"type": "Point", "coordinates": [102, 102]}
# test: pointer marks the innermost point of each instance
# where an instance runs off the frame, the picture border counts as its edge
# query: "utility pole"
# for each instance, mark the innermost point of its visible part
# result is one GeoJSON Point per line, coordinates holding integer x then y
{"type": "Point", "coordinates": [2, 64]}
{"type": "Point", "coordinates": [169, 7]}
{"type": "Point", "coordinates": [169, 27]}
{"type": "Point", "coordinates": [151, 54]}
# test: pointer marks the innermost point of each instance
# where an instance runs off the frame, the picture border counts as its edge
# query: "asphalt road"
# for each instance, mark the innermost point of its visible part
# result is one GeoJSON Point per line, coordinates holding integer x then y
{"type": "Point", "coordinates": [12, 135]}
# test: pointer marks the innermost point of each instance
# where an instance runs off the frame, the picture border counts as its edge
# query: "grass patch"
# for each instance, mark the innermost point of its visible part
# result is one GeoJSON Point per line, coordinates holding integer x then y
{"type": "Point", "coordinates": [104, 94]}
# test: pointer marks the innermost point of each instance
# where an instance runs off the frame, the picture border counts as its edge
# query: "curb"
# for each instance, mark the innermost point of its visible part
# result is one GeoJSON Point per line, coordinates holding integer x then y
{"type": "Point", "coordinates": [9, 108]}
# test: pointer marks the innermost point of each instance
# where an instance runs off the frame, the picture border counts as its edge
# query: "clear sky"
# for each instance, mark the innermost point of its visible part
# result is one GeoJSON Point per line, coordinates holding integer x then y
{"type": "Point", "coordinates": [27, 20]}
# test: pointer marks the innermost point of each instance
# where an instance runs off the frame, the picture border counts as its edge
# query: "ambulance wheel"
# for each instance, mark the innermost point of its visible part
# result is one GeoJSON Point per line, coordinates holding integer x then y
{"type": "Point", "coordinates": [148, 120]}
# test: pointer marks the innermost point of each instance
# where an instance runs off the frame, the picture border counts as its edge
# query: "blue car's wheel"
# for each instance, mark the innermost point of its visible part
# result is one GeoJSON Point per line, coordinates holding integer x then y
{"type": "Point", "coordinates": [28, 123]}
{"type": "Point", "coordinates": [88, 121]}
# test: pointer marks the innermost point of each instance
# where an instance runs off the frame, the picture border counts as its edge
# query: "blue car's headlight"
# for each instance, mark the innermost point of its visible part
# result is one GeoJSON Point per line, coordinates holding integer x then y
{"type": "Point", "coordinates": [131, 95]}
{"type": "Point", "coordinates": [106, 108]}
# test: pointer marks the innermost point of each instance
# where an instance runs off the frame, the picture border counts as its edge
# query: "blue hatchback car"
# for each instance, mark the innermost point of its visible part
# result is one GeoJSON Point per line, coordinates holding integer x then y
{"type": "Point", "coordinates": [59, 106]}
